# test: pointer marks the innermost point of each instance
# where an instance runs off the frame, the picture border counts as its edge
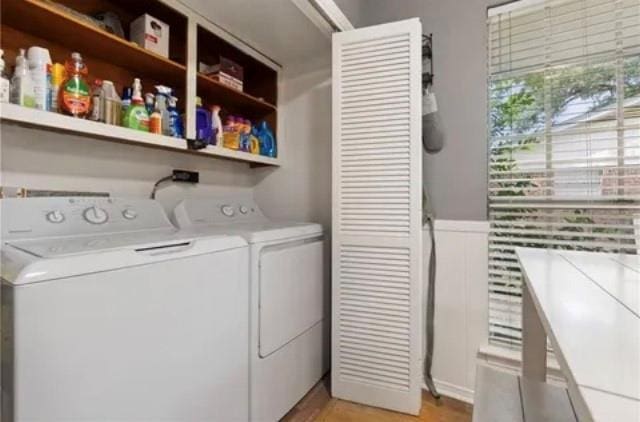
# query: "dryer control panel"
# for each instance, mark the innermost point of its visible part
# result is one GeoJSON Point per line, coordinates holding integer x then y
{"type": "Point", "coordinates": [218, 211]}
{"type": "Point", "coordinates": [52, 216]}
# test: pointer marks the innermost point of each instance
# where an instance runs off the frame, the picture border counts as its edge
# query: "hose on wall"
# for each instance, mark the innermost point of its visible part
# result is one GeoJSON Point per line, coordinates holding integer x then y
{"type": "Point", "coordinates": [432, 141]}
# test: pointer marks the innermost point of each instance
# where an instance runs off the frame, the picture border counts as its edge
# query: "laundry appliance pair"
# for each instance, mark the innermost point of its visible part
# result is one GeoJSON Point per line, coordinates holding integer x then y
{"type": "Point", "coordinates": [111, 313]}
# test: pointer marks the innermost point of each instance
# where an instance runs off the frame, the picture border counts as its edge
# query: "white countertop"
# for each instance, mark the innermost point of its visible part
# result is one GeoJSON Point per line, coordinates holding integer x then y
{"type": "Point", "coordinates": [589, 304]}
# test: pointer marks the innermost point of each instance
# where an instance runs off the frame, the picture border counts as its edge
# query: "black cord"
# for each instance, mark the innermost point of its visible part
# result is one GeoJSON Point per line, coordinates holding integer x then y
{"type": "Point", "coordinates": [427, 52]}
{"type": "Point", "coordinates": [155, 187]}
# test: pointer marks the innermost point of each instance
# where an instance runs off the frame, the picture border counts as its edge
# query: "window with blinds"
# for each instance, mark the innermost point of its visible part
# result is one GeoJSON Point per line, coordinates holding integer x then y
{"type": "Point", "coordinates": [564, 137]}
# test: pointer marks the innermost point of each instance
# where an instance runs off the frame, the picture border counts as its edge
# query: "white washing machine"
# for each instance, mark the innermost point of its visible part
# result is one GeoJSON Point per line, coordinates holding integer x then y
{"type": "Point", "coordinates": [289, 348]}
{"type": "Point", "coordinates": [110, 313]}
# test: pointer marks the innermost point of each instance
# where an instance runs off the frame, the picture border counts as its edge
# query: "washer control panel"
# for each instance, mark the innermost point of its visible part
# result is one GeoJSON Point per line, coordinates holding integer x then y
{"type": "Point", "coordinates": [53, 216]}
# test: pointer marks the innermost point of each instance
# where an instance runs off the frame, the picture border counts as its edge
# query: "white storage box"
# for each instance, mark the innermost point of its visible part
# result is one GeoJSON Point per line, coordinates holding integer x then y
{"type": "Point", "coordinates": [151, 34]}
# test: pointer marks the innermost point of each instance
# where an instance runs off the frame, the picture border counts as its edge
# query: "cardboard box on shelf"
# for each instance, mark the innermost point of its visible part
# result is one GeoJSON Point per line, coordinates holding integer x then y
{"type": "Point", "coordinates": [227, 72]}
{"type": "Point", "coordinates": [151, 34]}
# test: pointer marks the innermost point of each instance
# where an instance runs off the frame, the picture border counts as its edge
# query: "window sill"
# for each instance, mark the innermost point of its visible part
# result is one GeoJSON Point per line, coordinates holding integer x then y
{"type": "Point", "coordinates": [511, 360]}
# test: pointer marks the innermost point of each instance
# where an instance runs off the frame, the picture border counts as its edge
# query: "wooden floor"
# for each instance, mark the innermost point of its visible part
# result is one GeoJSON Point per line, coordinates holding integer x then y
{"type": "Point", "coordinates": [319, 406]}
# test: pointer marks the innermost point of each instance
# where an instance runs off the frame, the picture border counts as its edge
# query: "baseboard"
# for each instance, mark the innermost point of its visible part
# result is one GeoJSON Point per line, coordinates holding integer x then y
{"type": "Point", "coordinates": [453, 391]}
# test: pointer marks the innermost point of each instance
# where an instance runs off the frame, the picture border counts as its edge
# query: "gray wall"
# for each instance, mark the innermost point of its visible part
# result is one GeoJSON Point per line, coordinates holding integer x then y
{"type": "Point", "coordinates": [457, 176]}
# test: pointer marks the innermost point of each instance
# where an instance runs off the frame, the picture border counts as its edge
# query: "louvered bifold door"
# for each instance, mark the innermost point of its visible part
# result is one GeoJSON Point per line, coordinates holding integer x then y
{"type": "Point", "coordinates": [377, 206]}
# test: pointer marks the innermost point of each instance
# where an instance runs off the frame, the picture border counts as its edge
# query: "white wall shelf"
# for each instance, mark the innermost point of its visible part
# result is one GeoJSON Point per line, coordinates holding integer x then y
{"type": "Point", "coordinates": [37, 22]}
{"type": "Point", "coordinates": [11, 113]}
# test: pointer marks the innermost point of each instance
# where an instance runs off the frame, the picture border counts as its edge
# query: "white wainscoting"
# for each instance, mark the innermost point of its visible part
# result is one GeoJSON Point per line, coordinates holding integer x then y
{"type": "Point", "coordinates": [461, 304]}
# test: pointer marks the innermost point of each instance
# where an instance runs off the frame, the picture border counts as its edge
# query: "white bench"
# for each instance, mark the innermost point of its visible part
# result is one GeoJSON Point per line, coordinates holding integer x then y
{"type": "Point", "coordinates": [504, 397]}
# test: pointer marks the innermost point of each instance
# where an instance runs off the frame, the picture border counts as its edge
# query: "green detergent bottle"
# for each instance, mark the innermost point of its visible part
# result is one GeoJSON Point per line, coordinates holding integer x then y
{"type": "Point", "coordinates": [136, 117]}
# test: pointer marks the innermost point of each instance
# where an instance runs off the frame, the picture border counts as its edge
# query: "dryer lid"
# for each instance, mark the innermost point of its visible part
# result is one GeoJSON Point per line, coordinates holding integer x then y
{"type": "Point", "coordinates": [259, 232]}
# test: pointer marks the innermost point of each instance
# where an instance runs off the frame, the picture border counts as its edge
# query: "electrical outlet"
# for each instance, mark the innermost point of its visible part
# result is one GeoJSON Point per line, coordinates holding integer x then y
{"type": "Point", "coordinates": [185, 176]}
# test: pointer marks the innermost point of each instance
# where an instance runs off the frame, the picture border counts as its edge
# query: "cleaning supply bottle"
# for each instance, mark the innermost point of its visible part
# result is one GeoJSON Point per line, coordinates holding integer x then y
{"type": "Point", "coordinates": [163, 93]}
{"type": "Point", "coordinates": [244, 130]}
{"type": "Point", "coordinates": [21, 84]}
{"type": "Point", "coordinates": [74, 97]}
{"type": "Point", "coordinates": [136, 116]}
{"type": "Point", "coordinates": [112, 105]}
{"type": "Point", "coordinates": [231, 134]}
{"type": "Point", "coordinates": [175, 121]}
{"type": "Point", "coordinates": [155, 120]}
{"type": "Point", "coordinates": [97, 102]}
{"type": "Point", "coordinates": [254, 142]}
{"type": "Point", "coordinates": [268, 145]}
{"type": "Point", "coordinates": [126, 99]}
{"type": "Point", "coordinates": [57, 78]}
{"type": "Point", "coordinates": [149, 102]}
{"type": "Point", "coordinates": [5, 85]}
{"type": "Point", "coordinates": [40, 70]}
{"type": "Point", "coordinates": [216, 126]}
{"type": "Point", "coordinates": [203, 123]}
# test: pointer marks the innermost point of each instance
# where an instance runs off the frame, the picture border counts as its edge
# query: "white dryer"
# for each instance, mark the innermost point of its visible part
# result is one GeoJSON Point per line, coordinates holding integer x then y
{"type": "Point", "coordinates": [289, 298]}
{"type": "Point", "coordinates": [110, 313]}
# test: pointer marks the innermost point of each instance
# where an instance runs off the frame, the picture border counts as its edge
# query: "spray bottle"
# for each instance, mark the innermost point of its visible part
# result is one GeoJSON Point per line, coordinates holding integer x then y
{"type": "Point", "coordinates": [136, 116]}
{"type": "Point", "coordinates": [176, 128]}
{"type": "Point", "coordinates": [162, 100]}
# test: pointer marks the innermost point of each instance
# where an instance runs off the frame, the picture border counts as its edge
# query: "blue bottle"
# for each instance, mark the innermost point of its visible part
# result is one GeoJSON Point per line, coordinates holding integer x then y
{"type": "Point", "coordinates": [203, 124]}
{"type": "Point", "coordinates": [175, 121]}
{"type": "Point", "coordinates": [268, 145]}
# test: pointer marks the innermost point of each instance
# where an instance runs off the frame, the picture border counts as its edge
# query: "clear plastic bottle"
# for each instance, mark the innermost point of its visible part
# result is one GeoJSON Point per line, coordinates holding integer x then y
{"type": "Point", "coordinates": [112, 104]}
{"type": "Point", "coordinates": [163, 94]}
{"type": "Point", "coordinates": [97, 102]}
{"type": "Point", "coordinates": [216, 125]}
{"type": "Point", "coordinates": [5, 85]}
{"type": "Point", "coordinates": [21, 84]}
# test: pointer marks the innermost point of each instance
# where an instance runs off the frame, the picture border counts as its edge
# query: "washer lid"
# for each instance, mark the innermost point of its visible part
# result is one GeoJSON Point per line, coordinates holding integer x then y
{"type": "Point", "coordinates": [33, 261]}
{"type": "Point", "coordinates": [81, 245]}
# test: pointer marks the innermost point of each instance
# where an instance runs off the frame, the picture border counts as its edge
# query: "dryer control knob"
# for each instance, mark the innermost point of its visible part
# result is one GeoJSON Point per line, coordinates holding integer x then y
{"type": "Point", "coordinates": [243, 209]}
{"type": "Point", "coordinates": [130, 214]}
{"type": "Point", "coordinates": [55, 217]}
{"type": "Point", "coordinates": [95, 215]}
{"type": "Point", "coordinates": [227, 210]}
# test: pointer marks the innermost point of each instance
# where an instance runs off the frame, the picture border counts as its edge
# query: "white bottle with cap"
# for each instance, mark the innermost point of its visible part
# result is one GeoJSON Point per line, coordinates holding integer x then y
{"type": "Point", "coordinates": [40, 70]}
{"type": "Point", "coordinates": [5, 86]}
{"type": "Point", "coordinates": [21, 83]}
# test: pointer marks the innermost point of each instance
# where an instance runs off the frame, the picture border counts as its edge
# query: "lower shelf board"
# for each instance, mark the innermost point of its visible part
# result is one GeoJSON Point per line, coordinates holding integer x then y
{"type": "Point", "coordinates": [12, 113]}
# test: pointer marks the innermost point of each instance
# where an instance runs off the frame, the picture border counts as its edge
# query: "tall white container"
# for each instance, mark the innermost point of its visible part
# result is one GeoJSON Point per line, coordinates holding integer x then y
{"type": "Point", "coordinates": [40, 70]}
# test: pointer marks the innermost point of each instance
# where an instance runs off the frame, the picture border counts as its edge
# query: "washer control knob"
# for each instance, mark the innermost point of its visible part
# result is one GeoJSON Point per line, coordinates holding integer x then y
{"type": "Point", "coordinates": [227, 210]}
{"type": "Point", "coordinates": [243, 209]}
{"type": "Point", "coordinates": [95, 215]}
{"type": "Point", "coordinates": [55, 217]}
{"type": "Point", "coordinates": [130, 214]}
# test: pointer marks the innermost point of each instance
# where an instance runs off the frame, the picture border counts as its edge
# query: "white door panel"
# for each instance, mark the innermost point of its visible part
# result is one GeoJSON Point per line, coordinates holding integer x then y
{"type": "Point", "coordinates": [291, 293]}
{"type": "Point", "coordinates": [377, 227]}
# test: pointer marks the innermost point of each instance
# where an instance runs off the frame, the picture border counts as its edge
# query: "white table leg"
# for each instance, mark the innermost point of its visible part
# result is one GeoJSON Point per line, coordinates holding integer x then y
{"type": "Point", "coordinates": [534, 340]}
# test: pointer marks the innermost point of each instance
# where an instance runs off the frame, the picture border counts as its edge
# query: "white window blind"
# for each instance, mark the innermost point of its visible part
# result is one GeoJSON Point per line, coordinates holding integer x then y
{"type": "Point", "coordinates": [564, 137]}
